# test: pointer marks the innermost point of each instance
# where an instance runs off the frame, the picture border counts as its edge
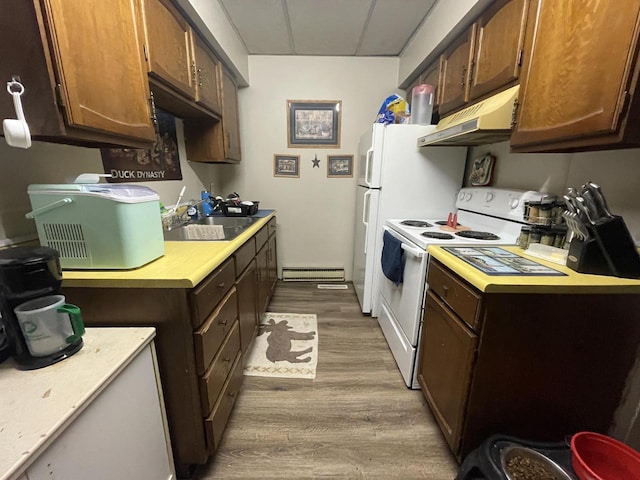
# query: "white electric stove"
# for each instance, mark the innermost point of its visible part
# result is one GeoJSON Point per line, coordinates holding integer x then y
{"type": "Point", "coordinates": [484, 216]}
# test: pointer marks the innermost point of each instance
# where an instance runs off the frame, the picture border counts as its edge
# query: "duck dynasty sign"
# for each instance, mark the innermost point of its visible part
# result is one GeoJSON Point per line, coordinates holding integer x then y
{"type": "Point", "coordinates": [161, 162]}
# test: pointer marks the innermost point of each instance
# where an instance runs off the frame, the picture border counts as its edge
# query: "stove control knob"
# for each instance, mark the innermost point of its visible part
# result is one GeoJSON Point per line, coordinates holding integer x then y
{"type": "Point", "coordinates": [467, 197]}
{"type": "Point", "coordinates": [461, 196]}
{"type": "Point", "coordinates": [489, 197]}
{"type": "Point", "coordinates": [514, 203]}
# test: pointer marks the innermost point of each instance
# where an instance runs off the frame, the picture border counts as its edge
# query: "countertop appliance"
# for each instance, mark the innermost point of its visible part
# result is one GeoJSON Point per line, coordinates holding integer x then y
{"type": "Point", "coordinates": [31, 275]}
{"type": "Point", "coordinates": [396, 178]}
{"type": "Point", "coordinates": [98, 226]}
{"type": "Point", "coordinates": [484, 216]}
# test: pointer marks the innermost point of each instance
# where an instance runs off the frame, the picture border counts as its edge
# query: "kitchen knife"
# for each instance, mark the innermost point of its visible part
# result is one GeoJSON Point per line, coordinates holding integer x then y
{"type": "Point", "coordinates": [584, 209]}
{"type": "Point", "coordinates": [591, 204]}
{"type": "Point", "coordinates": [601, 202]}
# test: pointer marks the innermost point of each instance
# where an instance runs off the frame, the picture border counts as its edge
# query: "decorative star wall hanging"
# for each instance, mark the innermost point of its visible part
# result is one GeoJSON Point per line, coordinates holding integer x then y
{"type": "Point", "coordinates": [316, 162]}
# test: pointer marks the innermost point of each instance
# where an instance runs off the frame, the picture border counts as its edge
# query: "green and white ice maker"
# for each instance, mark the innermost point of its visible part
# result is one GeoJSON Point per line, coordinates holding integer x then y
{"type": "Point", "coordinates": [98, 226]}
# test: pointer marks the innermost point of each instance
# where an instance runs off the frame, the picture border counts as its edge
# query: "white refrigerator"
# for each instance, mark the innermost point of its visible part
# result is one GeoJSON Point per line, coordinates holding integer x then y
{"type": "Point", "coordinates": [397, 179]}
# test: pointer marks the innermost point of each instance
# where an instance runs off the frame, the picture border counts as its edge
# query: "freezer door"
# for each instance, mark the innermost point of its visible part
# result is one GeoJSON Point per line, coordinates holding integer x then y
{"type": "Point", "coordinates": [369, 168]}
{"type": "Point", "coordinates": [364, 246]}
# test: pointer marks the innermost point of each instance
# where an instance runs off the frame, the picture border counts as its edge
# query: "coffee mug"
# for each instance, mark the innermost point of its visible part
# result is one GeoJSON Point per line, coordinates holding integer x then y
{"type": "Point", "coordinates": [49, 324]}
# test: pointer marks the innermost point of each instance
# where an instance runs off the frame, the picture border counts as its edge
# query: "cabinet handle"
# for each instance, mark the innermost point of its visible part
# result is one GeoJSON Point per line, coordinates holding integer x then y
{"type": "Point", "coordinates": [221, 285]}
{"type": "Point", "coordinates": [227, 360]}
{"type": "Point", "coordinates": [462, 78]}
{"type": "Point", "coordinates": [193, 73]}
{"type": "Point", "coordinates": [154, 116]}
{"type": "Point", "coordinates": [223, 323]}
{"type": "Point", "coordinates": [445, 290]}
{"type": "Point", "coordinates": [232, 394]}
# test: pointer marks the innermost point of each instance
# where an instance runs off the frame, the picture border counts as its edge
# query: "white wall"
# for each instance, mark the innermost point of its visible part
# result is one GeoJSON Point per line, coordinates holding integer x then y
{"type": "Point", "coordinates": [616, 171]}
{"type": "Point", "coordinates": [52, 163]}
{"type": "Point", "coordinates": [315, 213]}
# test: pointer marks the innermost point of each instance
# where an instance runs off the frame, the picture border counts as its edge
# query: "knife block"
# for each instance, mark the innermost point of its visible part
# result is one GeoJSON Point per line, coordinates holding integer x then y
{"type": "Point", "coordinates": [609, 250]}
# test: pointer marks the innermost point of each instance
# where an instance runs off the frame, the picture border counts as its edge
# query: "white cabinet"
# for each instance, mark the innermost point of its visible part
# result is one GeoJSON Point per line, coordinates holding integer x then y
{"type": "Point", "coordinates": [120, 434]}
{"type": "Point", "coordinates": [98, 414]}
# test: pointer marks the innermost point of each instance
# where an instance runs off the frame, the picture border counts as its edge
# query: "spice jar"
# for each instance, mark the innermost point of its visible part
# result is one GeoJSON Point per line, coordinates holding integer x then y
{"type": "Point", "coordinates": [523, 239]}
{"type": "Point", "coordinates": [547, 237]}
{"type": "Point", "coordinates": [545, 214]}
{"type": "Point", "coordinates": [535, 236]}
{"type": "Point", "coordinates": [534, 212]}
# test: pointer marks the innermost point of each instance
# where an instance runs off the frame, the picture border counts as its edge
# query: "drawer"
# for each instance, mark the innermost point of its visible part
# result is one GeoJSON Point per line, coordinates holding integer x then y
{"type": "Point", "coordinates": [208, 338]}
{"type": "Point", "coordinates": [213, 380]}
{"type": "Point", "coordinates": [210, 291]}
{"type": "Point", "coordinates": [261, 237]}
{"type": "Point", "coordinates": [460, 297]}
{"type": "Point", "coordinates": [216, 422]}
{"type": "Point", "coordinates": [244, 255]}
{"type": "Point", "coordinates": [271, 226]}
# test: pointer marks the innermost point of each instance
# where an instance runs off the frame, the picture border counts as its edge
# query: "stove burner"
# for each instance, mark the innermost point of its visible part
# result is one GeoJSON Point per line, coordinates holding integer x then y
{"type": "Point", "coordinates": [444, 222]}
{"type": "Point", "coordinates": [415, 223]}
{"type": "Point", "coordinates": [477, 235]}
{"type": "Point", "coordinates": [438, 235]}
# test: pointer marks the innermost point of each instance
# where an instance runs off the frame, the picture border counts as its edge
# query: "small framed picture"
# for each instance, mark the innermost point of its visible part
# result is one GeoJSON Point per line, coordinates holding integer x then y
{"type": "Point", "coordinates": [286, 166]}
{"type": "Point", "coordinates": [313, 124]}
{"type": "Point", "coordinates": [340, 166]}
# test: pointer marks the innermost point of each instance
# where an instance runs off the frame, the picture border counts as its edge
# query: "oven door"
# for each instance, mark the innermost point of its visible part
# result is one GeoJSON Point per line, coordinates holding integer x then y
{"type": "Point", "coordinates": [406, 301]}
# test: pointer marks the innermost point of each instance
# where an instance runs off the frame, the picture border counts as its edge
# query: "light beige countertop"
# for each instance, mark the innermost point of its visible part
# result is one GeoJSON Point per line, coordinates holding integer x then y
{"type": "Point", "coordinates": [572, 282]}
{"type": "Point", "coordinates": [37, 405]}
{"type": "Point", "coordinates": [183, 265]}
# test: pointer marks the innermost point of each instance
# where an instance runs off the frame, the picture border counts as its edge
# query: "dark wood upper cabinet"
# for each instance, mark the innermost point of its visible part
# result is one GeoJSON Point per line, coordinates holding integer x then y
{"type": "Point", "coordinates": [206, 75]}
{"type": "Point", "coordinates": [170, 57]}
{"type": "Point", "coordinates": [83, 69]}
{"type": "Point", "coordinates": [579, 84]}
{"type": "Point", "coordinates": [498, 50]}
{"type": "Point", "coordinates": [212, 140]}
{"type": "Point", "coordinates": [431, 76]}
{"type": "Point", "coordinates": [454, 72]}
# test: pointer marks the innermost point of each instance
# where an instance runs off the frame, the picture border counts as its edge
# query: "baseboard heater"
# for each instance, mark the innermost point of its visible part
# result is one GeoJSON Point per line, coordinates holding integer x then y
{"type": "Point", "coordinates": [312, 274]}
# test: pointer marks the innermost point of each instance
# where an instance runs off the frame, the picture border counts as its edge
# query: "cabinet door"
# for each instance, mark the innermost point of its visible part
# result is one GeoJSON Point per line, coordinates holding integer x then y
{"type": "Point", "coordinates": [454, 68]}
{"type": "Point", "coordinates": [262, 259]}
{"type": "Point", "coordinates": [498, 48]}
{"type": "Point", "coordinates": [207, 73]}
{"type": "Point", "coordinates": [99, 66]}
{"type": "Point", "coordinates": [579, 74]}
{"type": "Point", "coordinates": [230, 118]}
{"type": "Point", "coordinates": [447, 352]}
{"type": "Point", "coordinates": [247, 288]}
{"type": "Point", "coordinates": [168, 46]}
{"type": "Point", "coordinates": [273, 263]}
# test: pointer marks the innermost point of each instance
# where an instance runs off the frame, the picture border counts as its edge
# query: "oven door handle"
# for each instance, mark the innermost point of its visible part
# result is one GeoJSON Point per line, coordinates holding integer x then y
{"type": "Point", "coordinates": [413, 251]}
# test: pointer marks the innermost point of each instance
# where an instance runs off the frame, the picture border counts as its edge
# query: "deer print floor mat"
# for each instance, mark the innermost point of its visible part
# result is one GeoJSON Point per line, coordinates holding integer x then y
{"type": "Point", "coordinates": [286, 346]}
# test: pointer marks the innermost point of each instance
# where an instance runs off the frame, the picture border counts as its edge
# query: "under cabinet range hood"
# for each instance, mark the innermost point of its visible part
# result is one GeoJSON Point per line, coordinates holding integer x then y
{"type": "Point", "coordinates": [487, 121]}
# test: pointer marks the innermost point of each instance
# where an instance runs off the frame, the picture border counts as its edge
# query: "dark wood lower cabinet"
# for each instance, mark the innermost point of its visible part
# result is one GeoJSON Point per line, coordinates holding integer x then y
{"type": "Point", "coordinates": [537, 366]}
{"type": "Point", "coordinates": [202, 334]}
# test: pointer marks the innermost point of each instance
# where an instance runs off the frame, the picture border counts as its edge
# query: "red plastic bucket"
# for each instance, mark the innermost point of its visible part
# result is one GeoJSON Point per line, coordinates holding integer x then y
{"type": "Point", "coordinates": [599, 457]}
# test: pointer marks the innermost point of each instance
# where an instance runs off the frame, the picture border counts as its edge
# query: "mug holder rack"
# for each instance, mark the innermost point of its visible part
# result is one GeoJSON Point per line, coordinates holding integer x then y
{"type": "Point", "coordinates": [609, 250]}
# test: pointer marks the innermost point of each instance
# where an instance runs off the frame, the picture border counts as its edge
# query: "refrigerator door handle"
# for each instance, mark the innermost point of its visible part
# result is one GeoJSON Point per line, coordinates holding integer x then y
{"type": "Point", "coordinates": [365, 216]}
{"type": "Point", "coordinates": [367, 162]}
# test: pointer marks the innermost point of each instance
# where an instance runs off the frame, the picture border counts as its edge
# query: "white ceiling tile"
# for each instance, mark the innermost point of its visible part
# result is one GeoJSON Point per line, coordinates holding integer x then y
{"type": "Point", "coordinates": [262, 25]}
{"type": "Point", "coordinates": [327, 27]}
{"type": "Point", "coordinates": [392, 24]}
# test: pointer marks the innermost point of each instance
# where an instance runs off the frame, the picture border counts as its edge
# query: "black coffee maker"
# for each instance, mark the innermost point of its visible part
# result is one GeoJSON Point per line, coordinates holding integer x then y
{"type": "Point", "coordinates": [26, 275]}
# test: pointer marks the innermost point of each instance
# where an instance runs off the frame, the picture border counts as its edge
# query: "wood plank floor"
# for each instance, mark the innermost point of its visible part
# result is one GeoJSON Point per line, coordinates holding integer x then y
{"type": "Point", "coordinates": [355, 420]}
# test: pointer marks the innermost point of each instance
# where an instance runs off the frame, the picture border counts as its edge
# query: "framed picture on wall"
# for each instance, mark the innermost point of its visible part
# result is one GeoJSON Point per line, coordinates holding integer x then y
{"type": "Point", "coordinates": [313, 124]}
{"type": "Point", "coordinates": [286, 166]}
{"type": "Point", "coordinates": [340, 166]}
